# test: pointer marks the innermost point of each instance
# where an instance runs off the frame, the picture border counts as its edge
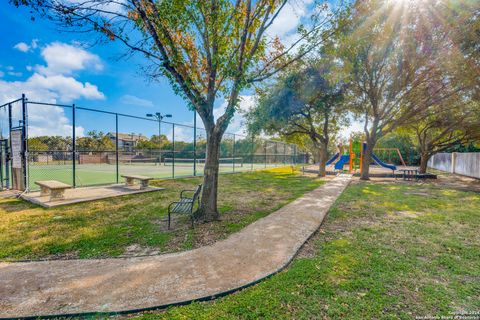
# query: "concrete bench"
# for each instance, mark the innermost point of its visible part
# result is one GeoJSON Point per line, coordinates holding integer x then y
{"type": "Point", "coordinates": [130, 180]}
{"type": "Point", "coordinates": [54, 188]}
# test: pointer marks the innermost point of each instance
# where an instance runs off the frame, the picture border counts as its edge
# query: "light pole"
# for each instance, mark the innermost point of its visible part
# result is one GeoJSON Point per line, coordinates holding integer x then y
{"type": "Point", "coordinates": [159, 117]}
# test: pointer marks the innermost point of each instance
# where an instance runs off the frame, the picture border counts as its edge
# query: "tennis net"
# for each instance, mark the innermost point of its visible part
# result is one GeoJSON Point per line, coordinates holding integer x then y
{"type": "Point", "coordinates": [236, 162]}
{"type": "Point", "coordinates": [139, 161]}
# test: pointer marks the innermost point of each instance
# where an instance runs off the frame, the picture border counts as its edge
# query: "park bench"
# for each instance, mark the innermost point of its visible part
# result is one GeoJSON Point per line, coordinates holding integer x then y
{"type": "Point", "coordinates": [185, 205]}
{"type": "Point", "coordinates": [409, 174]}
{"type": "Point", "coordinates": [130, 180]}
{"type": "Point", "coordinates": [55, 189]}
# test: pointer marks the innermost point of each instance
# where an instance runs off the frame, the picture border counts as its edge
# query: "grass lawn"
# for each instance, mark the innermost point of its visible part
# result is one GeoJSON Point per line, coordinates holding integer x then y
{"type": "Point", "coordinates": [135, 225]}
{"type": "Point", "coordinates": [387, 251]}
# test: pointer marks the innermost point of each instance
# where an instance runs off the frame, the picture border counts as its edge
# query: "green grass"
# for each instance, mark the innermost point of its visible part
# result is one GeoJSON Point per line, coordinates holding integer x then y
{"type": "Point", "coordinates": [136, 224]}
{"type": "Point", "coordinates": [386, 251]}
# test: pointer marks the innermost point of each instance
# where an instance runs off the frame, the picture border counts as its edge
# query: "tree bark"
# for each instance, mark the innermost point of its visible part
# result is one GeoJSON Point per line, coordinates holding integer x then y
{"type": "Point", "coordinates": [208, 204]}
{"type": "Point", "coordinates": [322, 155]}
{"type": "Point", "coordinates": [424, 157]}
{"type": "Point", "coordinates": [366, 160]}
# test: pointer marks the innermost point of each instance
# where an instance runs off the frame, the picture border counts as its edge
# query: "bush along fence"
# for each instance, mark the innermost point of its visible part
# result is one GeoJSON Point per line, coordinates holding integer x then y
{"type": "Point", "coordinates": [464, 163]}
{"type": "Point", "coordinates": [84, 147]}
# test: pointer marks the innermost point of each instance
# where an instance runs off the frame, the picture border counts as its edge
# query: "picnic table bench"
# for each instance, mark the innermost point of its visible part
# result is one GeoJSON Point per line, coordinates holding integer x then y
{"type": "Point", "coordinates": [130, 180]}
{"type": "Point", "coordinates": [54, 188]}
{"type": "Point", "coordinates": [185, 204]}
{"type": "Point", "coordinates": [409, 174]}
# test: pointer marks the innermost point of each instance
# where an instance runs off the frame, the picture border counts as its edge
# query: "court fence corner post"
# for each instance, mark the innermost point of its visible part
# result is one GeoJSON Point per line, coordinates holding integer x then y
{"type": "Point", "coordinates": [74, 146]}
{"type": "Point", "coordinates": [233, 153]}
{"type": "Point", "coordinates": [25, 142]}
{"type": "Point", "coordinates": [116, 149]}
{"type": "Point", "coordinates": [194, 143]}
{"type": "Point", "coordinates": [173, 150]}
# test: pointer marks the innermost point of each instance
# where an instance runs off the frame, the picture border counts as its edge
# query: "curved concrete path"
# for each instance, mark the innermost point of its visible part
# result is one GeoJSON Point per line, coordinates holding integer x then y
{"type": "Point", "coordinates": [113, 285]}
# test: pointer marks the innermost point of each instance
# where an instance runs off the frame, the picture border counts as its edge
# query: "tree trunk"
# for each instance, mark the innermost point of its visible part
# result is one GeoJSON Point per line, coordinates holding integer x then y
{"type": "Point", "coordinates": [366, 160]}
{"type": "Point", "coordinates": [322, 155]}
{"type": "Point", "coordinates": [208, 204]}
{"type": "Point", "coordinates": [424, 157]}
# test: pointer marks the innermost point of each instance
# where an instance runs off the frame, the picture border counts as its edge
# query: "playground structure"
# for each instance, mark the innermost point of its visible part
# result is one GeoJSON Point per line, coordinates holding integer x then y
{"type": "Point", "coordinates": [353, 156]}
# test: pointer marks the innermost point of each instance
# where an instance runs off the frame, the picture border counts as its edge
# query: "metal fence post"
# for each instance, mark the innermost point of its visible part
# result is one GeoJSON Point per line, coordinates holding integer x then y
{"type": "Point", "coordinates": [24, 141]}
{"type": "Point", "coordinates": [252, 151]}
{"type": "Point", "coordinates": [233, 153]}
{"type": "Point", "coordinates": [74, 146]}
{"type": "Point", "coordinates": [173, 150]}
{"type": "Point", "coordinates": [194, 143]}
{"type": "Point", "coordinates": [9, 167]}
{"type": "Point", "coordinates": [116, 147]}
{"type": "Point", "coordinates": [265, 151]}
{"type": "Point", "coordinates": [294, 154]}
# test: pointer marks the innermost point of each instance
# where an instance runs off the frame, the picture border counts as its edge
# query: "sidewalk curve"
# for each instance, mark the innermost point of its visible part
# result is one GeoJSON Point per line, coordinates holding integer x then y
{"type": "Point", "coordinates": [122, 284]}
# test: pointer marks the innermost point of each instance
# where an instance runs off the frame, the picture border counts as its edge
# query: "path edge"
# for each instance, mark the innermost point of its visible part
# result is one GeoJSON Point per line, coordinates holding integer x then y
{"type": "Point", "coordinates": [186, 302]}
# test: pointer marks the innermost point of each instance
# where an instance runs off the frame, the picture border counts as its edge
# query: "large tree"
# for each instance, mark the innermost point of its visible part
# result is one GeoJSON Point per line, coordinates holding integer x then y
{"type": "Point", "coordinates": [394, 54]}
{"type": "Point", "coordinates": [304, 101]}
{"type": "Point", "coordinates": [455, 122]}
{"type": "Point", "coordinates": [208, 49]}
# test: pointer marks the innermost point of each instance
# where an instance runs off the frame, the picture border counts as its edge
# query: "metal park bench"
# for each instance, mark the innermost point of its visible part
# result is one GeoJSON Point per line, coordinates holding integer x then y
{"type": "Point", "coordinates": [409, 174]}
{"type": "Point", "coordinates": [55, 189]}
{"type": "Point", "coordinates": [185, 205]}
{"type": "Point", "coordinates": [130, 180]}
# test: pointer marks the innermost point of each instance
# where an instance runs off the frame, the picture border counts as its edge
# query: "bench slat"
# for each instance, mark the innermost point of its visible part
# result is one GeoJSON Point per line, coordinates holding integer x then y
{"type": "Point", "coordinates": [183, 206]}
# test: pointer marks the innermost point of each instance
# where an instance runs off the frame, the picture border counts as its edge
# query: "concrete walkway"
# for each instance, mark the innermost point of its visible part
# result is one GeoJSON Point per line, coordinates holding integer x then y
{"type": "Point", "coordinates": [112, 285]}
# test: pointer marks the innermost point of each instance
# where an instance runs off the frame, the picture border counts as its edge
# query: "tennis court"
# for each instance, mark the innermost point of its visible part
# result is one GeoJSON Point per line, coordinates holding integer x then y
{"type": "Point", "coordinates": [103, 173]}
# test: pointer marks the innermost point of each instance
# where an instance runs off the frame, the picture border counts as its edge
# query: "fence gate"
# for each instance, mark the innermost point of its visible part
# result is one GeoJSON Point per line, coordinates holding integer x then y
{"type": "Point", "coordinates": [4, 164]}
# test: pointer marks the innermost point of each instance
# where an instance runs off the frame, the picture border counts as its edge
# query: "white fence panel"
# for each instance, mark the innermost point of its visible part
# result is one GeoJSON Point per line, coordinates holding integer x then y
{"type": "Point", "coordinates": [467, 164]}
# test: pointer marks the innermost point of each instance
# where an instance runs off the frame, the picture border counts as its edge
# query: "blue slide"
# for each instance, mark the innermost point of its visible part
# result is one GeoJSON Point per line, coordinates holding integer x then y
{"type": "Point", "coordinates": [383, 164]}
{"type": "Point", "coordinates": [335, 156]}
{"type": "Point", "coordinates": [343, 160]}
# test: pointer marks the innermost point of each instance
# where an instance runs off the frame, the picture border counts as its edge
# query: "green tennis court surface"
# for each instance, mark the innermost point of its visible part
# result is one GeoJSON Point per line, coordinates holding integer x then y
{"type": "Point", "coordinates": [95, 174]}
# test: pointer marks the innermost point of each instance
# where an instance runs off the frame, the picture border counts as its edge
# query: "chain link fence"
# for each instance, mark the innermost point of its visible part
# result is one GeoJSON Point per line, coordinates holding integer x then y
{"type": "Point", "coordinates": [78, 151]}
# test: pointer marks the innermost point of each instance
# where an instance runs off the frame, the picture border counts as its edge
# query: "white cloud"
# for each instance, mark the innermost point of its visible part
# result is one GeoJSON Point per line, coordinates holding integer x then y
{"type": "Point", "coordinates": [62, 58]}
{"type": "Point", "coordinates": [182, 133]}
{"type": "Point", "coordinates": [56, 124]}
{"type": "Point", "coordinates": [237, 124]}
{"type": "Point", "coordinates": [135, 101]}
{"type": "Point", "coordinates": [54, 83]}
{"type": "Point", "coordinates": [15, 74]}
{"type": "Point", "coordinates": [22, 46]}
{"type": "Point", "coordinates": [289, 18]}
{"type": "Point", "coordinates": [49, 89]}
{"type": "Point", "coordinates": [1, 74]}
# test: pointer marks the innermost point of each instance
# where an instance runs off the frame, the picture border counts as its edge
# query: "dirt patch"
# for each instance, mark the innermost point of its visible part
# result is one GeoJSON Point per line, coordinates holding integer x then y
{"type": "Point", "coordinates": [417, 193]}
{"type": "Point", "coordinates": [457, 182]}
{"type": "Point", "coordinates": [63, 256]}
{"type": "Point", "coordinates": [407, 214]}
{"type": "Point", "coordinates": [309, 248]}
{"type": "Point", "coordinates": [136, 250]}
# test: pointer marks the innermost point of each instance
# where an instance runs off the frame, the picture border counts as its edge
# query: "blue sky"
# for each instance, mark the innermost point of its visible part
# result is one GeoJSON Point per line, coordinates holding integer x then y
{"type": "Point", "coordinates": [50, 66]}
